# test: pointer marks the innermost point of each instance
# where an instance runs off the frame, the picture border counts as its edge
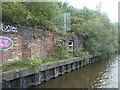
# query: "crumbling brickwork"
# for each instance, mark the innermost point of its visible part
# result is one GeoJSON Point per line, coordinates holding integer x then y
{"type": "Point", "coordinates": [29, 43]}
{"type": "Point", "coordinates": [15, 53]}
{"type": "Point", "coordinates": [43, 46]}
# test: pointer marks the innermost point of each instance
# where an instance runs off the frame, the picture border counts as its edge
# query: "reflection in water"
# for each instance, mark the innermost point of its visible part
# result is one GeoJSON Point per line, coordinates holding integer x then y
{"type": "Point", "coordinates": [101, 74]}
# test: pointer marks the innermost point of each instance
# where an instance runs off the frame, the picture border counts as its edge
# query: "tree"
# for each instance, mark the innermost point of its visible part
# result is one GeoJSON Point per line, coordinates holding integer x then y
{"type": "Point", "coordinates": [33, 14]}
{"type": "Point", "coordinates": [99, 34]}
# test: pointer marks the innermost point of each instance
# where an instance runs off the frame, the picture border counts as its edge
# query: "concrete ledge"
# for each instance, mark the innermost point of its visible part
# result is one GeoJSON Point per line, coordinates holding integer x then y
{"type": "Point", "coordinates": [28, 71]}
{"type": "Point", "coordinates": [35, 75]}
{"type": "Point", "coordinates": [9, 75]}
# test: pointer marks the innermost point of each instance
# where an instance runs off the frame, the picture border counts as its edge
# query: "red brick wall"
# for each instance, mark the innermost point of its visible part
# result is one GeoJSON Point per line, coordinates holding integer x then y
{"type": "Point", "coordinates": [44, 47]}
{"type": "Point", "coordinates": [26, 47]}
{"type": "Point", "coordinates": [15, 53]}
{"type": "Point", "coordinates": [30, 43]}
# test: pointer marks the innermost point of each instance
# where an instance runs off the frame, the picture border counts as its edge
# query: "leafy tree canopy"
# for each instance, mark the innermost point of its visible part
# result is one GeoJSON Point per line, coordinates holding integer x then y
{"type": "Point", "coordinates": [100, 35]}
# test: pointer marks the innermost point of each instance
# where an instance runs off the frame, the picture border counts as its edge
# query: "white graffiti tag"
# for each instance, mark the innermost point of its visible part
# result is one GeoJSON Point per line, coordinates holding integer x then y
{"type": "Point", "coordinates": [9, 28]}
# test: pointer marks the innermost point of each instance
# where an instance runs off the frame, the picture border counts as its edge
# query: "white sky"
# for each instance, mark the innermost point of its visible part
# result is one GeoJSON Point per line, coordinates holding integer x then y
{"type": "Point", "coordinates": [108, 6]}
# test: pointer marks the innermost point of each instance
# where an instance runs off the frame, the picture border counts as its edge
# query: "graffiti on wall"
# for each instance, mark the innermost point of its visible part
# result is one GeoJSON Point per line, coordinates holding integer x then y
{"type": "Point", "coordinates": [5, 43]}
{"type": "Point", "coordinates": [9, 28]}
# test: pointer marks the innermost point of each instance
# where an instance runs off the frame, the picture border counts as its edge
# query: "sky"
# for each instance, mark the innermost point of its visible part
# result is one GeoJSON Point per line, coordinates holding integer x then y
{"type": "Point", "coordinates": [110, 7]}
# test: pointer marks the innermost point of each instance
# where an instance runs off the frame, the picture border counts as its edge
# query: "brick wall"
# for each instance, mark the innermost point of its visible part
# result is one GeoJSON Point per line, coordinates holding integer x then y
{"type": "Point", "coordinates": [15, 53]}
{"type": "Point", "coordinates": [29, 43]}
{"type": "Point", "coordinates": [43, 46]}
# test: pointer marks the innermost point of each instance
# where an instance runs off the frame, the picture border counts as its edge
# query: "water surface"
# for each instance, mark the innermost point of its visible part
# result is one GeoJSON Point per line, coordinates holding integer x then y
{"type": "Point", "coordinates": [101, 74]}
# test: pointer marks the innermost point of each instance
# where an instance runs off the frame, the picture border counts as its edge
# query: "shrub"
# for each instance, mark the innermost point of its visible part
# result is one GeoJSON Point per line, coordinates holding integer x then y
{"type": "Point", "coordinates": [34, 62]}
{"type": "Point", "coordinates": [81, 53]}
{"type": "Point", "coordinates": [62, 50]}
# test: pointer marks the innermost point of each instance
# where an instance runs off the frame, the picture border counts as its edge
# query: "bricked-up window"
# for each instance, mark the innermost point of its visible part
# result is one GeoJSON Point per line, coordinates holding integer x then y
{"type": "Point", "coordinates": [71, 46]}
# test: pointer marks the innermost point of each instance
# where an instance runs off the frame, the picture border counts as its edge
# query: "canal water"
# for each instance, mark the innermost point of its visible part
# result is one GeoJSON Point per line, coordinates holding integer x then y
{"type": "Point", "coordinates": [101, 74]}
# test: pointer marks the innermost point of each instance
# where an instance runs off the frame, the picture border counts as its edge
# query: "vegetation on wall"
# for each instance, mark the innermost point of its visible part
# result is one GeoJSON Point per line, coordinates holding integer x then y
{"type": "Point", "coordinates": [81, 52]}
{"type": "Point", "coordinates": [62, 50]}
{"type": "Point", "coordinates": [45, 15]}
{"type": "Point", "coordinates": [21, 64]}
{"type": "Point", "coordinates": [100, 35]}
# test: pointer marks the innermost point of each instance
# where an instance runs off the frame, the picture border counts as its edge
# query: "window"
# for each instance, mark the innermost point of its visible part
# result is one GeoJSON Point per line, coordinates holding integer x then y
{"type": "Point", "coordinates": [71, 46]}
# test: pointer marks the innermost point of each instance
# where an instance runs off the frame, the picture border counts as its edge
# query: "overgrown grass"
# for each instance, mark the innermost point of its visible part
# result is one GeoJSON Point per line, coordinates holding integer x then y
{"type": "Point", "coordinates": [38, 61]}
{"type": "Point", "coordinates": [55, 59]}
{"type": "Point", "coordinates": [29, 63]}
{"type": "Point", "coordinates": [21, 64]}
{"type": "Point", "coordinates": [62, 54]}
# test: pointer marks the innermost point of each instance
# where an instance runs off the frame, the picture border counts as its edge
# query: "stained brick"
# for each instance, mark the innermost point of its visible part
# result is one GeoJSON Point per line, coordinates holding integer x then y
{"type": "Point", "coordinates": [32, 44]}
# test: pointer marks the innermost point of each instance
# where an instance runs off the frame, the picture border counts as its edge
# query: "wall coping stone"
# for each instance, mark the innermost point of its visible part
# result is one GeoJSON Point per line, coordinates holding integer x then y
{"type": "Point", "coordinates": [10, 75]}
